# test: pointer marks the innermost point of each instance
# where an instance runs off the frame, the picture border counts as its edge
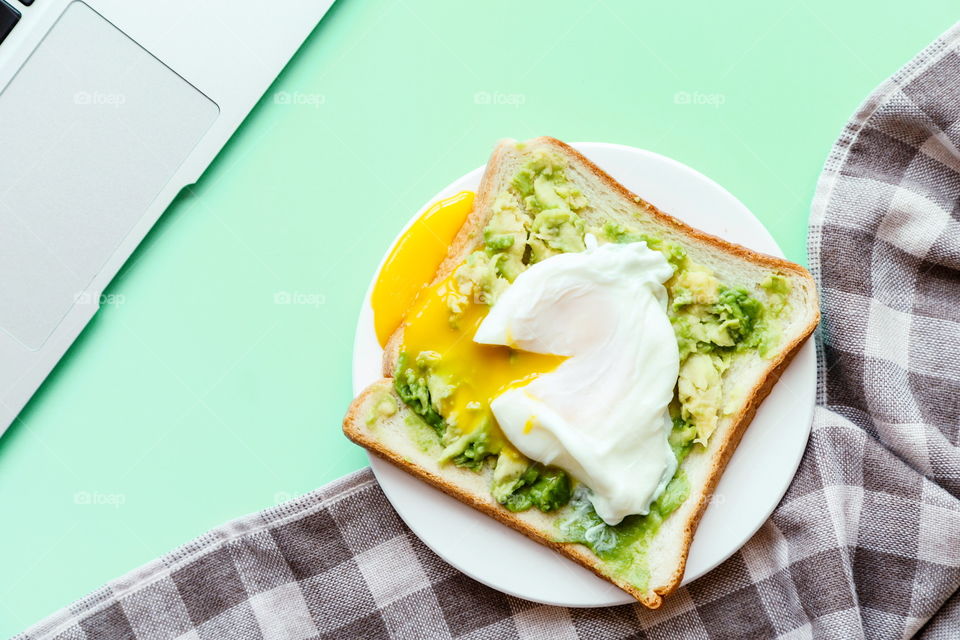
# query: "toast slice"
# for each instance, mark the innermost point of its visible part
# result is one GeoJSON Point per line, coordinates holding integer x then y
{"type": "Point", "coordinates": [381, 422]}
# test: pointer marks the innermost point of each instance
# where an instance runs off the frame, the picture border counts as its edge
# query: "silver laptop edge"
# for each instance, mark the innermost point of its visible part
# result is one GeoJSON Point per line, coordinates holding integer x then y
{"type": "Point", "coordinates": [108, 109]}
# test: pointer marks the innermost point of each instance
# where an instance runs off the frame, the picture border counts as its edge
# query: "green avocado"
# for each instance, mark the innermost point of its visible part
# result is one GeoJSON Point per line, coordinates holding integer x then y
{"type": "Point", "coordinates": [617, 233]}
{"type": "Point", "coordinates": [700, 393]}
{"type": "Point", "coordinates": [508, 475]}
{"type": "Point", "coordinates": [470, 450]}
{"type": "Point", "coordinates": [539, 216]}
{"type": "Point", "coordinates": [505, 237]}
{"type": "Point", "coordinates": [554, 231]}
{"type": "Point", "coordinates": [708, 318]}
{"type": "Point", "coordinates": [776, 284]}
{"type": "Point", "coordinates": [777, 289]}
{"type": "Point", "coordinates": [478, 279]}
{"type": "Point", "coordinates": [519, 484]}
{"type": "Point", "coordinates": [410, 383]}
{"type": "Point", "coordinates": [532, 220]}
{"type": "Point", "coordinates": [546, 488]}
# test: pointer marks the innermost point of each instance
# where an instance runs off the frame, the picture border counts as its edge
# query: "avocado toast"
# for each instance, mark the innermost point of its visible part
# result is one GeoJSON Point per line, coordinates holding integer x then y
{"type": "Point", "coordinates": [738, 318]}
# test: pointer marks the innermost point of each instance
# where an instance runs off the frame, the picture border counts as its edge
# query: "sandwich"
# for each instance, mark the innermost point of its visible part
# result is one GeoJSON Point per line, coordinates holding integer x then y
{"type": "Point", "coordinates": [581, 365]}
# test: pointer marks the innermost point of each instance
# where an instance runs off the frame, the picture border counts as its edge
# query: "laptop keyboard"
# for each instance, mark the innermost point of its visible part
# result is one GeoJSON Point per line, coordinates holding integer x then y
{"type": "Point", "coordinates": [9, 17]}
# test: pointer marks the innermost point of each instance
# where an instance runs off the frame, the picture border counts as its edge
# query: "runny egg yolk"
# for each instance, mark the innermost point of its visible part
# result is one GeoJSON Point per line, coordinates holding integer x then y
{"type": "Point", "coordinates": [402, 294]}
{"type": "Point", "coordinates": [479, 373]}
{"type": "Point", "coordinates": [413, 261]}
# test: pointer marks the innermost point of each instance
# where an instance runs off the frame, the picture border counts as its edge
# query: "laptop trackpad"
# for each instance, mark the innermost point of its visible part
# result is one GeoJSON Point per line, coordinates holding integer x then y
{"type": "Point", "coordinates": [91, 129]}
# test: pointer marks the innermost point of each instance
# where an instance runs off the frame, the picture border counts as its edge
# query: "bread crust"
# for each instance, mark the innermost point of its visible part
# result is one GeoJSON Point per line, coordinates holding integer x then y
{"type": "Point", "coordinates": [467, 239]}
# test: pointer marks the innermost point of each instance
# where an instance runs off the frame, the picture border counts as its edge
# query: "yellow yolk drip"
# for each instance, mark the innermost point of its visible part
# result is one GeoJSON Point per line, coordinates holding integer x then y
{"type": "Point", "coordinates": [413, 261]}
{"type": "Point", "coordinates": [478, 372]}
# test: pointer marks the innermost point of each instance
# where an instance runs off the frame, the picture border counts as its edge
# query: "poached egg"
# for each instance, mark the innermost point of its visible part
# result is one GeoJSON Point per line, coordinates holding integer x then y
{"type": "Point", "coordinates": [602, 413]}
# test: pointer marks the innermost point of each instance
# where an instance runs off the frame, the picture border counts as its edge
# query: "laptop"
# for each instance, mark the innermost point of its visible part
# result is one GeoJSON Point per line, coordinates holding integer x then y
{"type": "Point", "coordinates": [109, 108]}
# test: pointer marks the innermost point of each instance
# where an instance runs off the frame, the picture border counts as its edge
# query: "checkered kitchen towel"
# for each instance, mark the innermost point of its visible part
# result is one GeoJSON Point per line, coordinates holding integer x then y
{"type": "Point", "coordinates": [865, 544]}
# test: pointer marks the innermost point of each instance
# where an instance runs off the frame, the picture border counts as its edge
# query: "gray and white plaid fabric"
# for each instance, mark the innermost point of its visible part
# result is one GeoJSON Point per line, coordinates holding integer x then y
{"type": "Point", "coordinates": [865, 544]}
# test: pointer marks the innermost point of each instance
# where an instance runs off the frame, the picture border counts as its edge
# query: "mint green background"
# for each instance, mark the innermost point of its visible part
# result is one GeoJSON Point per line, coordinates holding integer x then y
{"type": "Point", "coordinates": [193, 397]}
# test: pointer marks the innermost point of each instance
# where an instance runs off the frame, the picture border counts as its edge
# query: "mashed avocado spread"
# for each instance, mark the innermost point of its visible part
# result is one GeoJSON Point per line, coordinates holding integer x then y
{"type": "Point", "coordinates": [542, 214]}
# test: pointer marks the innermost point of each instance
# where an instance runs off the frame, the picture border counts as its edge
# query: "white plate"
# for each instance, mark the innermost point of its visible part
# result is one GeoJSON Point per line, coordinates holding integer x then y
{"type": "Point", "coordinates": [755, 480]}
